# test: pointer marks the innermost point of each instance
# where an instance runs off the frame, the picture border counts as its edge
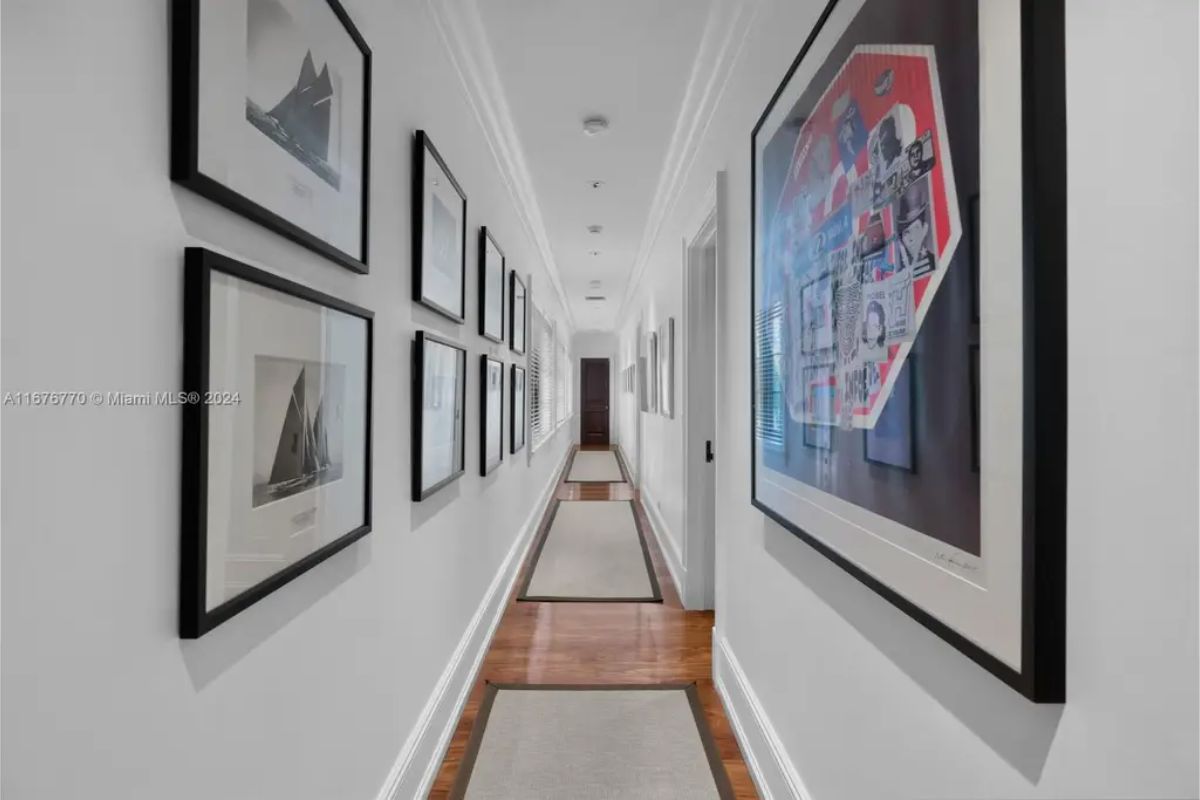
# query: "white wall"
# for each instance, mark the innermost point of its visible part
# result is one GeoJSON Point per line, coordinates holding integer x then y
{"type": "Point", "coordinates": [596, 344]}
{"type": "Point", "coordinates": [862, 701]}
{"type": "Point", "coordinates": [662, 475]}
{"type": "Point", "coordinates": [311, 693]}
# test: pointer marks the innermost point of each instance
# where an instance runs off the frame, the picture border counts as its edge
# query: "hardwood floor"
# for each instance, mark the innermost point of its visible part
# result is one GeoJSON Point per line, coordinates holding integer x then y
{"type": "Point", "coordinates": [603, 643]}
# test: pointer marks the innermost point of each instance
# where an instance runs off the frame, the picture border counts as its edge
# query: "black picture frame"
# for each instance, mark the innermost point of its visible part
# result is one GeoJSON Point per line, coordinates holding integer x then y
{"type": "Point", "coordinates": [199, 265]}
{"type": "Point", "coordinates": [909, 367]}
{"type": "Point", "coordinates": [420, 341]}
{"type": "Point", "coordinates": [1042, 673]}
{"type": "Point", "coordinates": [423, 145]}
{"type": "Point", "coordinates": [517, 338]}
{"type": "Point", "coordinates": [484, 468]}
{"type": "Point", "coordinates": [185, 138]}
{"type": "Point", "coordinates": [486, 297]}
{"type": "Point", "coordinates": [517, 415]}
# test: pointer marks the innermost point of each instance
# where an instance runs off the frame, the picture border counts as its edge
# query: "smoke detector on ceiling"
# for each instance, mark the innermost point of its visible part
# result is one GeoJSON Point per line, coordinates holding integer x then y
{"type": "Point", "coordinates": [594, 126]}
{"type": "Point", "coordinates": [595, 229]}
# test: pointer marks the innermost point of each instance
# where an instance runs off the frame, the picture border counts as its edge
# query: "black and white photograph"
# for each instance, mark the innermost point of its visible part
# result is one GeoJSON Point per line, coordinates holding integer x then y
{"type": "Point", "coordinates": [277, 127]}
{"type": "Point", "coordinates": [439, 233]}
{"type": "Point", "coordinates": [518, 325]}
{"type": "Point", "coordinates": [916, 229]}
{"type": "Point", "coordinates": [491, 414]}
{"type": "Point", "coordinates": [279, 480]}
{"type": "Point", "coordinates": [517, 411]}
{"type": "Point", "coordinates": [439, 418]}
{"type": "Point", "coordinates": [491, 287]}
{"type": "Point", "coordinates": [299, 413]}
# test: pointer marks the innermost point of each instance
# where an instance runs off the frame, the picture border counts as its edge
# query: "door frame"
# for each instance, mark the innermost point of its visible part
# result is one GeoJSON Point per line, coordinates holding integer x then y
{"type": "Point", "coordinates": [608, 401]}
{"type": "Point", "coordinates": [701, 337]}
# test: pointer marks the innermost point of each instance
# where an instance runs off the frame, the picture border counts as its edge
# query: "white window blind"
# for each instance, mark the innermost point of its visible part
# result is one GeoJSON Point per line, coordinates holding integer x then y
{"type": "Point", "coordinates": [541, 378]}
{"type": "Point", "coordinates": [563, 372]}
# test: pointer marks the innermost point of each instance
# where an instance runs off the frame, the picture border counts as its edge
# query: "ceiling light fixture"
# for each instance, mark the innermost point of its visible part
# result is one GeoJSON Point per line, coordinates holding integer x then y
{"type": "Point", "coordinates": [594, 126]}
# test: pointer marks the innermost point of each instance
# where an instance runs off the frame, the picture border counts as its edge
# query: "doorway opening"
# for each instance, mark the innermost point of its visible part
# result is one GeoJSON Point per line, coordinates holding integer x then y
{"type": "Point", "coordinates": [594, 420]}
{"type": "Point", "coordinates": [701, 262]}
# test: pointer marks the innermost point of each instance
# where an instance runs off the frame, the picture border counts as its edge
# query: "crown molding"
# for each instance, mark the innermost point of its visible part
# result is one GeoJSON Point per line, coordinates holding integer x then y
{"type": "Point", "coordinates": [461, 28]}
{"type": "Point", "coordinates": [725, 32]}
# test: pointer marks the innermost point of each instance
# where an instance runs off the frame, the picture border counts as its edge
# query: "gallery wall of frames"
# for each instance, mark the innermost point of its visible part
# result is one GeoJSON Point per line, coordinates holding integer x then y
{"type": "Point", "coordinates": [280, 134]}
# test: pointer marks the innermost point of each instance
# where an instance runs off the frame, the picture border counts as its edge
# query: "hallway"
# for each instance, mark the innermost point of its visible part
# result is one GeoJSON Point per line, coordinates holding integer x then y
{"type": "Point", "coordinates": [601, 643]}
{"type": "Point", "coordinates": [578, 400]}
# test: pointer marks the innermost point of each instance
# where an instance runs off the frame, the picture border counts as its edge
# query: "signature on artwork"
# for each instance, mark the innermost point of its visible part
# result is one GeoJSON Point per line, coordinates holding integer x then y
{"type": "Point", "coordinates": [955, 561]}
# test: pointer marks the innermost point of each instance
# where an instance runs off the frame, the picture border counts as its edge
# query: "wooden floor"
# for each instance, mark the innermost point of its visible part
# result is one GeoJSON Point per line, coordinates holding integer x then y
{"type": "Point", "coordinates": [603, 643]}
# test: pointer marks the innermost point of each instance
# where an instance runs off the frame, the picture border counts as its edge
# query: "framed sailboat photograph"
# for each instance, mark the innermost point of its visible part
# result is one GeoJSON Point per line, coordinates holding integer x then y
{"type": "Point", "coordinates": [271, 117]}
{"type": "Point", "coordinates": [276, 434]}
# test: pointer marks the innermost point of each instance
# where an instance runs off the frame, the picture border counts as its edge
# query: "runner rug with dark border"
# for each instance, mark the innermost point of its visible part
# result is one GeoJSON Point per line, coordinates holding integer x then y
{"type": "Point", "coordinates": [591, 551]}
{"type": "Point", "coordinates": [636, 742]}
{"type": "Point", "coordinates": [596, 466]}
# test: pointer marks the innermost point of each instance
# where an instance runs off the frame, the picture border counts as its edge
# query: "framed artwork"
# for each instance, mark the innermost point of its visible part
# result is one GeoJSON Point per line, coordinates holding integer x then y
{"type": "Point", "coordinates": [643, 384]}
{"type": "Point", "coordinates": [519, 413]}
{"type": "Point", "coordinates": [893, 440]}
{"type": "Point", "coordinates": [491, 287]}
{"type": "Point", "coordinates": [666, 379]}
{"type": "Point", "coordinates": [439, 233]}
{"type": "Point", "coordinates": [271, 117]}
{"type": "Point", "coordinates": [867, 176]}
{"type": "Point", "coordinates": [491, 413]}
{"type": "Point", "coordinates": [654, 376]}
{"type": "Point", "coordinates": [277, 442]}
{"type": "Point", "coordinates": [438, 403]}
{"type": "Point", "coordinates": [518, 325]}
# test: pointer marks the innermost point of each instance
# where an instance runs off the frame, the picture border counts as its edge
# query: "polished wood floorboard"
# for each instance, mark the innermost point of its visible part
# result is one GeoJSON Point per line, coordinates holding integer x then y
{"type": "Point", "coordinates": [596, 643]}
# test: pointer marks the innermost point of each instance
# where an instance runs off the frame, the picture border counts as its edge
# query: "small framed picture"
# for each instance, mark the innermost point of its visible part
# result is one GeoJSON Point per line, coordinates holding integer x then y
{"type": "Point", "coordinates": [666, 367]}
{"type": "Point", "coordinates": [271, 117]}
{"type": "Point", "coordinates": [277, 444]}
{"type": "Point", "coordinates": [438, 402]}
{"type": "Point", "coordinates": [517, 411]}
{"type": "Point", "coordinates": [491, 287]}
{"type": "Point", "coordinates": [518, 299]}
{"type": "Point", "coordinates": [893, 441]}
{"type": "Point", "coordinates": [654, 376]}
{"type": "Point", "coordinates": [439, 233]}
{"type": "Point", "coordinates": [491, 413]}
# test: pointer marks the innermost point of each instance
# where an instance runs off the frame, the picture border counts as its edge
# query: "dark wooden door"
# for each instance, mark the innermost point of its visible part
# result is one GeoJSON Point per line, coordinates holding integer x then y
{"type": "Point", "coordinates": [593, 393]}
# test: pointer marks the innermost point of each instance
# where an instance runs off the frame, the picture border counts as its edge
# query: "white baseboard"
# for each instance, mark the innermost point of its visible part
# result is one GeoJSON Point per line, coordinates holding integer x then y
{"type": "Point", "coordinates": [628, 464]}
{"type": "Point", "coordinates": [416, 767]}
{"type": "Point", "coordinates": [773, 771]}
{"type": "Point", "coordinates": [666, 544]}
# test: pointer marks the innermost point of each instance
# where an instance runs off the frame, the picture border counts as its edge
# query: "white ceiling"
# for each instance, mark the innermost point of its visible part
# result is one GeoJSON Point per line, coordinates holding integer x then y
{"type": "Point", "coordinates": [560, 61]}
